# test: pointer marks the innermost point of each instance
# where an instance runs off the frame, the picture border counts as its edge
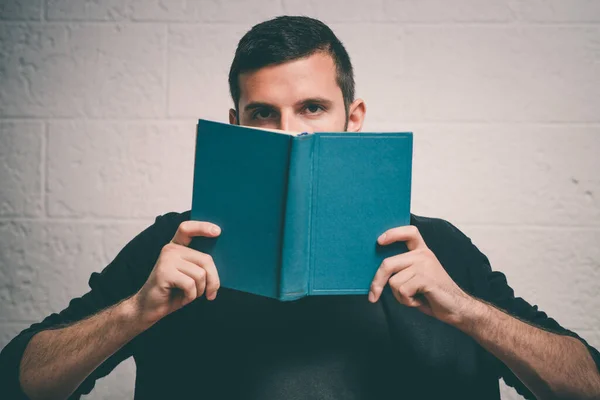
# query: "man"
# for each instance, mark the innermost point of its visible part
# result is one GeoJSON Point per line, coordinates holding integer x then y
{"type": "Point", "coordinates": [438, 321]}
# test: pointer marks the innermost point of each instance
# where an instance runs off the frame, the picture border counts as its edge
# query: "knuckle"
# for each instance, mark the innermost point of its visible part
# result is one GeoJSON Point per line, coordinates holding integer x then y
{"type": "Point", "coordinates": [184, 226]}
{"type": "Point", "coordinates": [426, 252]}
{"type": "Point", "coordinates": [402, 291]}
{"type": "Point", "coordinates": [190, 286]}
{"type": "Point", "coordinates": [169, 247]}
{"type": "Point", "coordinates": [387, 265]}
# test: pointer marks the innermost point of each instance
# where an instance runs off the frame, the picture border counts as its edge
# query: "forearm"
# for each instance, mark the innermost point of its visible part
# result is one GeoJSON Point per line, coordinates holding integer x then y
{"type": "Point", "coordinates": [57, 361]}
{"type": "Point", "coordinates": [550, 365]}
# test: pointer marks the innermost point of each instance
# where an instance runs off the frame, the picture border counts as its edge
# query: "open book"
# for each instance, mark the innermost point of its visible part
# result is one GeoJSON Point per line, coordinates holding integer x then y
{"type": "Point", "coordinates": [300, 213]}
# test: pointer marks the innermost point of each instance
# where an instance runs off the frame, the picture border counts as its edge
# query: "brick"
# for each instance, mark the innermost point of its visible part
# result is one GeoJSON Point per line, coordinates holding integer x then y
{"type": "Point", "coordinates": [119, 170]}
{"type": "Point", "coordinates": [43, 265]}
{"type": "Point", "coordinates": [20, 10]}
{"type": "Point", "coordinates": [503, 174]}
{"type": "Point", "coordinates": [419, 11]}
{"type": "Point", "coordinates": [592, 337]}
{"type": "Point", "coordinates": [430, 11]}
{"type": "Point", "coordinates": [558, 10]}
{"type": "Point", "coordinates": [20, 169]}
{"type": "Point", "coordinates": [82, 70]}
{"type": "Point", "coordinates": [74, 10]}
{"type": "Point", "coordinates": [560, 182]}
{"type": "Point", "coordinates": [466, 173]}
{"type": "Point", "coordinates": [557, 269]}
{"type": "Point", "coordinates": [337, 10]}
{"type": "Point", "coordinates": [205, 10]}
{"type": "Point", "coordinates": [496, 74]}
{"type": "Point", "coordinates": [199, 61]}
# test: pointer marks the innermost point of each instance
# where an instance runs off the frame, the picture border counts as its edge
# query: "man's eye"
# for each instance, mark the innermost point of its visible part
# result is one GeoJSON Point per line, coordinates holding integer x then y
{"type": "Point", "coordinates": [313, 108]}
{"type": "Point", "coordinates": [262, 114]}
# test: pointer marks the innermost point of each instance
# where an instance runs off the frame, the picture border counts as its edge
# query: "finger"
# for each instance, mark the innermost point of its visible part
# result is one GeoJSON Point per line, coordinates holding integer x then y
{"type": "Point", "coordinates": [183, 282]}
{"type": "Point", "coordinates": [409, 234]}
{"type": "Point", "coordinates": [399, 279]}
{"type": "Point", "coordinates": [213, 283]}
{"type": "Point", "coordinates": [198, 274]}
{"type": "Point", "coordinates": [407, 292]}
{"type": "Point", "coordinates": [402, 277]}
{"type": "Point", "coordinates": [388, 267]}
{"type": "Point", "coordinates": [188, 229]}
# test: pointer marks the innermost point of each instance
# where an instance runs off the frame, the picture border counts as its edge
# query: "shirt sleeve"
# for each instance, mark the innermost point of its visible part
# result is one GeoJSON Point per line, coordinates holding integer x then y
{"type": "Point", "coordinates": [117, 281]}
{"type": "Point", "coordinates": [492, 286]}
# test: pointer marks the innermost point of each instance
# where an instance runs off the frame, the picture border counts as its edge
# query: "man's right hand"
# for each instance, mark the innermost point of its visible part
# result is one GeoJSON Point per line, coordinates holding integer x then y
{"type": "Point", "coordinates": [180, 275]}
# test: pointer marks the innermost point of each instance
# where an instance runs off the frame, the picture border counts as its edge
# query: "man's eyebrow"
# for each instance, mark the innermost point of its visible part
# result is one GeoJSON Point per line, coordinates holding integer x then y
{"type": "Point", "coordinates": [254, 105]}
{"type": "Point", "coordinates": [312, 100]}
{"type": "Point", "coordinates": [318, 100]}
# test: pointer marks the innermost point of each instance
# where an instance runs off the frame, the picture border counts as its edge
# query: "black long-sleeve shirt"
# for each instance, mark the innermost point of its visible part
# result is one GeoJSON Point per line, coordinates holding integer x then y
{"type": "Point", "coordinates": [242, 346]}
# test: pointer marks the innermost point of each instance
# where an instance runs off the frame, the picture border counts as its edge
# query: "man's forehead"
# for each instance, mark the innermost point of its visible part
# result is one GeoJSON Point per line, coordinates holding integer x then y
{"type": "Point", "coordinates": [310, 77]}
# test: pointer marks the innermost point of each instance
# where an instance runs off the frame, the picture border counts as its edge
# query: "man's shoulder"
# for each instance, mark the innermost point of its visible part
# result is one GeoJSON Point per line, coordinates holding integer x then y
{"type": "Point", "coordinates": [452, 247]}
{"type": "Point", "coordinates": [435, 228]}
{"type": "Point", "coordinates": [174, 217]}
{"type": "Point", "coordinates": [164, 227]}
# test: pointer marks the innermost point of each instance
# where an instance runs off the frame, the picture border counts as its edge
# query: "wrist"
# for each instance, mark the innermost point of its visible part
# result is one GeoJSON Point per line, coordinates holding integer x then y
{"type": "Point", "coordinates": [130, 314]}
{"type": "Point", "coordinates": [472, 312]}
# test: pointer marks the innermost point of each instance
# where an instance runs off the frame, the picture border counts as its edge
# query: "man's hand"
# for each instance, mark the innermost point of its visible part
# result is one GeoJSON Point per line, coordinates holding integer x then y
{"type": "Point", "coordinates": [180, 275]}
{"type": "Point", "coordinates": [417, 278]}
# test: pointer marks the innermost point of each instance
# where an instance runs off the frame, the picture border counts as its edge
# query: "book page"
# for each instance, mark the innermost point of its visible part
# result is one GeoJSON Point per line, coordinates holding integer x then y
{"type": "Point", "coordinates": [292, 133]}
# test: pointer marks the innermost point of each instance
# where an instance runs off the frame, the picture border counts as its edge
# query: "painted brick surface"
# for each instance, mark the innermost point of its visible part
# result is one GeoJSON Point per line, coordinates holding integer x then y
{"type": "Point", "coordinates": [15, 10]}
{"type": "Point", "coordinates": [98, 104]}
{"type": "Point", "coordinates": [21, 169]}
{"type": "Point", "coordinates": [119, 169]}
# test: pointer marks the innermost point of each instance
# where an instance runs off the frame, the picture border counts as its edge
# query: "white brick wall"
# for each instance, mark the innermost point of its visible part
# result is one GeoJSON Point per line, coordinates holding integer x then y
{"type": "Point", "coordinates": [98, 102]}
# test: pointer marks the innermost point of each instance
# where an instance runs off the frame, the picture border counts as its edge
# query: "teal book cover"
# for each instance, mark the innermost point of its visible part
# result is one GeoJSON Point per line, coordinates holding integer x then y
{"type": "Point", "coordinates": [299, 213]}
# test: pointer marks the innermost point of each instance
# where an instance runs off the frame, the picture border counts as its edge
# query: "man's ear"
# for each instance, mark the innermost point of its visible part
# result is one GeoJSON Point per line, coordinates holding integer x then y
{"type": "Point", "coordinates": [356, 115]}
{"type": "Point", "coordinates": [233, 117]}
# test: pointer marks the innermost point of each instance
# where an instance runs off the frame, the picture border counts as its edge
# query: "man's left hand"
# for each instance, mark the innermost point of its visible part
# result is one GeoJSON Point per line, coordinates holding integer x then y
{"type": "Point", "coordinates": [417, 278]}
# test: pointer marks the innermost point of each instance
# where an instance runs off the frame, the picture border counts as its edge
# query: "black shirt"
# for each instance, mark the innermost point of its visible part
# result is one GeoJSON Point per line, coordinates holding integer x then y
{"type": "Point", "coordinates": [242, 346]}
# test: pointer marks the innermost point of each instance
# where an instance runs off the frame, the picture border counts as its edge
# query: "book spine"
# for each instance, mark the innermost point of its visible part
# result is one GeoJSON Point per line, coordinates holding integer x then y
{"type": "Point", "coordinates": [296, 224]}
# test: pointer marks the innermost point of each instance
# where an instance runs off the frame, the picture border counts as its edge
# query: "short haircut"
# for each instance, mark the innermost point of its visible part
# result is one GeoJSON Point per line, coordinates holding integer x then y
{"type": "Point", "coordinates": [288, 38]}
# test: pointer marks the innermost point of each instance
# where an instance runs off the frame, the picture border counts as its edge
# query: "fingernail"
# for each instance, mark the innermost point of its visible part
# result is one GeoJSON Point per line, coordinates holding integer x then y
{"type": "Point", "coordinates": [371, 297]}
{"type": "Point", "coordinates": [215, 230]}
{"type": "Point", "coordinates": [382, 237]}
{"type": "Point", "coordinates": [212, 296]}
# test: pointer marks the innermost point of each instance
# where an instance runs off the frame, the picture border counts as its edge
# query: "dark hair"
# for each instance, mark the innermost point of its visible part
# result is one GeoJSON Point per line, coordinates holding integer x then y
{"type": "Point", "coordinates": [288, 38]}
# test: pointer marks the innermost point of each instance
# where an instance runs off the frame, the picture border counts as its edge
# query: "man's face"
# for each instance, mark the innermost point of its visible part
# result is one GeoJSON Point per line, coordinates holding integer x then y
{"type": "Point", "coordinates": [300, 95]}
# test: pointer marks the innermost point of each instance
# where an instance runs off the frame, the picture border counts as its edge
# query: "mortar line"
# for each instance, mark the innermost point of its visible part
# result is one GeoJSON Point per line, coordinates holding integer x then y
{"type": "Point", "coordinates": [383, 123]}
{"type": "Point", "coordinates": [44, 170]}
{"type": "Point", "coordinates": [416, 24]}
{"type": "Point", "coordinates": [166, 69]}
